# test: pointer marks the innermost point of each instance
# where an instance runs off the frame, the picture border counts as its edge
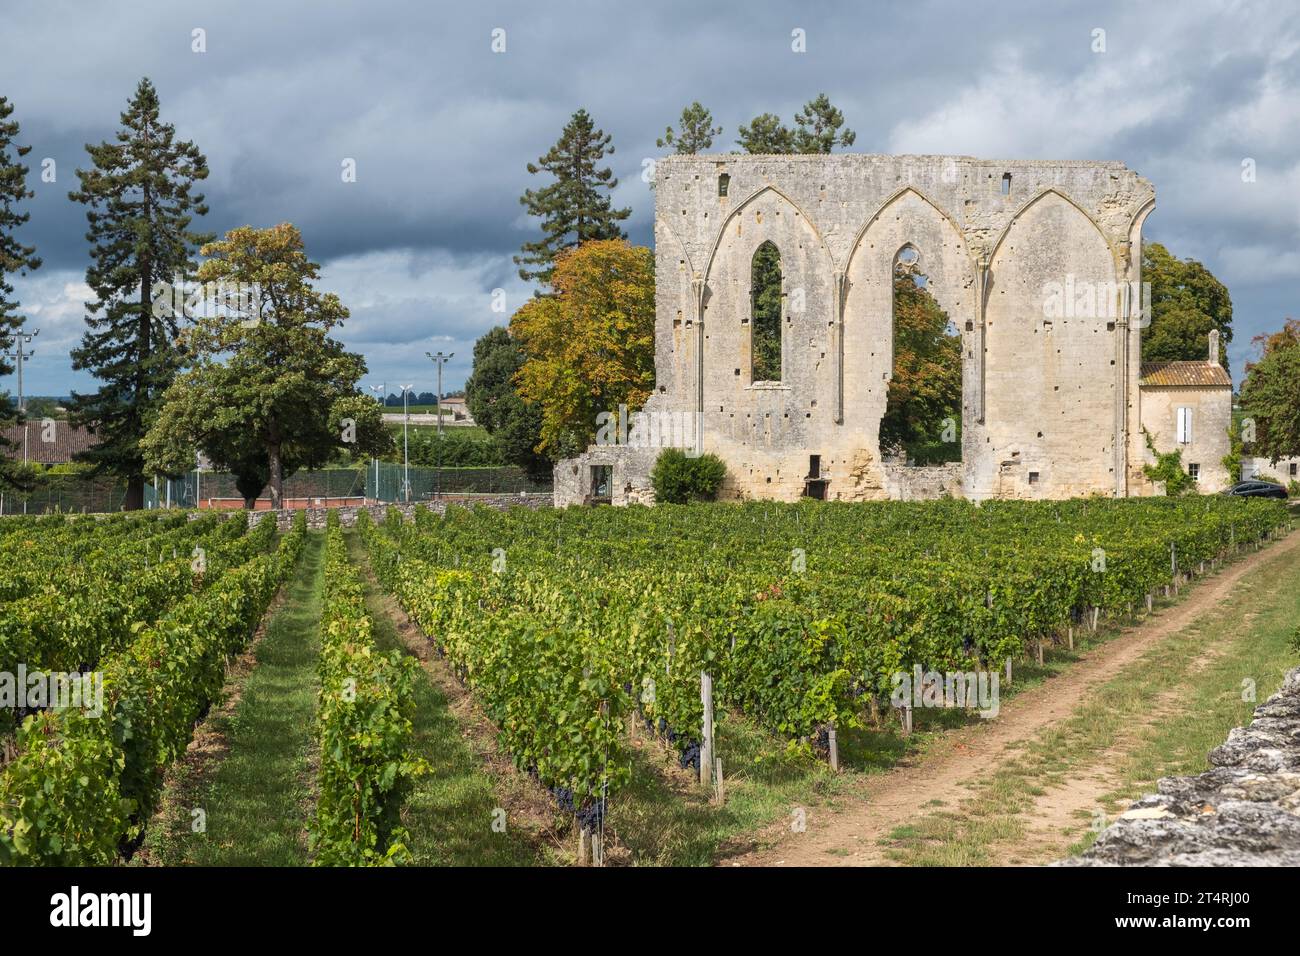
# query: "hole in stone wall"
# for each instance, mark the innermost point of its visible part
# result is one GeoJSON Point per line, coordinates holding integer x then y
{"type": "Point", "coordinates": [765, 309]}
{"type": "Point", "coordinates": [922, 419]}
{"type": "Point", "coordinates": [724, 184]}
{"type": "Point", "coordinates": [1006, 184]}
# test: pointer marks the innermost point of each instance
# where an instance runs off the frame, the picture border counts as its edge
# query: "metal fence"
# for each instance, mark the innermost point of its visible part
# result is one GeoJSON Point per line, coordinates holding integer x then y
{"type": "Point", "coordinates": [382, 481]}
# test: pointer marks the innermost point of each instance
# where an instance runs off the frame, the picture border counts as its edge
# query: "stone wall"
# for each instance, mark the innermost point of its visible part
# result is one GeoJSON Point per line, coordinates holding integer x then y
{"type": "Point", "coordinates": [1049, 404]}
{"type": "Point", "coordinates": [1244, 811]}
{"type": "Point", "coordinates": [922, 483]}
{"type": "Point", "coordinates": [1211, 416]}
{"type": "Point", "coordinates": [1285, 470]}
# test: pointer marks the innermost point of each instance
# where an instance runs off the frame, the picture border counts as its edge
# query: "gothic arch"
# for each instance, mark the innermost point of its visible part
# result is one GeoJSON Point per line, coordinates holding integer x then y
{"type": "Point", "coordinates": [1043, 194]}
{"type": "Point", "coordinates": [742, 206]}
{"type": "Point", "coordinates": [897, 196]}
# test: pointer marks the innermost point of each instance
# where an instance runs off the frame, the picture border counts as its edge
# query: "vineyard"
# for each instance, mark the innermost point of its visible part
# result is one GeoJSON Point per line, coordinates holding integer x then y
{"type": "Point", "coordinates": [154, 605]}
{"type": "Point", "coordinates": [567, 623]}
{"type": "Point", "coordinates": [571, 630]}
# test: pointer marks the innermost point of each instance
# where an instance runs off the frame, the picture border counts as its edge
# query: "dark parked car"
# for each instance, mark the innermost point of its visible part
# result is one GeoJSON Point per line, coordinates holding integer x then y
{"type": "Point", "coordinates": [1257, 489]}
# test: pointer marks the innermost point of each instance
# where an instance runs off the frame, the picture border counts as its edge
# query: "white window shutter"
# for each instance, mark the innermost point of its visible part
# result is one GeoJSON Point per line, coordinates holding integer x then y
{"type": "Point", "coordinates": [1184, 425]}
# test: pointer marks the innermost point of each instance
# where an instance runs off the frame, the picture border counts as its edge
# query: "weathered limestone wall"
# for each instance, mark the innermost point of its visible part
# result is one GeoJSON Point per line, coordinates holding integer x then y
{"type": "Point", "coordinates": [1053, 397]}
{"type": "Point", "coordinates": [1285, 470]}
{"type": "Point", "coordinates": [925, 483]}
{"type": "Point", "coordinates": [1243, 811]}
{"type": "Point", "coordinates": [1211, 416]}
{"type": "Point", "coordinates": [631, 475]}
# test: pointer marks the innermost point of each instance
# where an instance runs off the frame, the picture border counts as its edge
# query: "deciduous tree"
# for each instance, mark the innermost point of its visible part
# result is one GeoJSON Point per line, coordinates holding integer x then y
{"type": "Point", "coordinates": [1187, 301]}
{"type": "Point", "coordinates": [1270, 395]}
{"type": "Point", "coordinates": [926, 384]}
{"type": "Point", "coordinates": [494, 401]}
{"type": "Point", "coordinates": [269, 390]}
{"type": "Point", "coordinates": [589, 347]}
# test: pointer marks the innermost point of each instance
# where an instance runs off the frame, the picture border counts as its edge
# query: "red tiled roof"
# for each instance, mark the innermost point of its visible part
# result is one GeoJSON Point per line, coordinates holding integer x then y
{"type": "Point", "coordinates": [1194, 374]}
{"type": "Point", "coordinates": [67, 442]}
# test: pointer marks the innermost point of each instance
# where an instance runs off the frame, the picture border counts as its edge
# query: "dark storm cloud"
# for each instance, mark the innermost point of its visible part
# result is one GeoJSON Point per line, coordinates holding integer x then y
{"type": "Point", "coordinates": [441, 128]}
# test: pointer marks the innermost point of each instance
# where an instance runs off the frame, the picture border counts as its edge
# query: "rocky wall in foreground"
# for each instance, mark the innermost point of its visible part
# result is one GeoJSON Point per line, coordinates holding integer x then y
{"type": "Point", "coordinates": [1243, 811]}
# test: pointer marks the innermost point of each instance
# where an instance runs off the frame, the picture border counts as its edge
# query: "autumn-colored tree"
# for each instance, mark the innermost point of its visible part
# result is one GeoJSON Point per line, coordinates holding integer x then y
{"type": "Point", "coordinates": [1270, 395]}
{"type": "Point", "coordinates": [590, 346]}
{"type": "Point", "coordinates": [926, 385]}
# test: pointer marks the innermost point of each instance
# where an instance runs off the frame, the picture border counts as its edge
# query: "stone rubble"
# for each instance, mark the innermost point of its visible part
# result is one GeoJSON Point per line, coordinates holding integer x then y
{"type": "Point", "coordinates": [1244, 811]}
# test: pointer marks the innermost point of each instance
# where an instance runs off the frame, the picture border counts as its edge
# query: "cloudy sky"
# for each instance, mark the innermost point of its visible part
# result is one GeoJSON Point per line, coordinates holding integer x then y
{"type": "Point", "coordinates": [441, 127]}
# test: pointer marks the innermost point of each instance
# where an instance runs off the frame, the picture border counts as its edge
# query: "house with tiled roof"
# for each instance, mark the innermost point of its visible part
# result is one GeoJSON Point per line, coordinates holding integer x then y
{"type": "Point", "coordinates": [47, 441]}
{"type": "Point", "coordinates": [1187, 407]}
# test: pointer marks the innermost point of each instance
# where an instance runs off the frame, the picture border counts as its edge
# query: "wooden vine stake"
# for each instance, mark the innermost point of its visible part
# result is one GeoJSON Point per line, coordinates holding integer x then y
{"type": "Point", "coordinates": [1071, 636]}
{"type": "Point", "coordinates": [834, 745]}
{"type": "Point", "coordinates": [706, 739]}
{"type": "Point", "coordinates": [583, 845]}
{"type": "Point", "coordinates": [719, 794]}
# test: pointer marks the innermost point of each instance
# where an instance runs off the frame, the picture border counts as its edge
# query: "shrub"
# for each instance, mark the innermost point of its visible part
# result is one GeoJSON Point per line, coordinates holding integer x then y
{"type": "Point", "coordinates": [1169, 469]}
{"type": "Point", "coordinates": [678, 477]}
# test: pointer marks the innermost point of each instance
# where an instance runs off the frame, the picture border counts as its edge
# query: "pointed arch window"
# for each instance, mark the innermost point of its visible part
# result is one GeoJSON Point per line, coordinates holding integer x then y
{"type": "Point", "coordinates": [766, 306]}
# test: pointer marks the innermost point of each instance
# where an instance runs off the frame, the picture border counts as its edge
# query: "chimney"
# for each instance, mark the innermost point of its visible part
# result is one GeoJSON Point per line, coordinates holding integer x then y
{"type": "Point", "coordinates": [1214, 346]}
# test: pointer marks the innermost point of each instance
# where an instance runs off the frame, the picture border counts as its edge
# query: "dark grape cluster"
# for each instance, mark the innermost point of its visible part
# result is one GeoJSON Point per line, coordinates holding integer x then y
{"type": "Point", "coordinates": [690, 758]}
{"type": "Point", "coordinates": [563, 798]}
{"type": "Point", "coordinates": [592, 816]}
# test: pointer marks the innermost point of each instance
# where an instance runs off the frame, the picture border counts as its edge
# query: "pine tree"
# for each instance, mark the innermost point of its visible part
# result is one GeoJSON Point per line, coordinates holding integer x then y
{"type": "Point", "coordinates": [572, 208]}
{"type": "Point", "coordinates": [766, 134]}
{"type": "Point", "coordinates": [140, 204]}
{"type": "Point", "coordinates": [14, 258]}
{"type": "Point", "coordinates": [694, 134]}
{"type": "Point", "coordinates": [818, 127]}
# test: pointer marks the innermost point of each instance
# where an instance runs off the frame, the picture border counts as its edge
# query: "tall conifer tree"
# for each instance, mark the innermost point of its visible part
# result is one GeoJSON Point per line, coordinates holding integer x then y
{"type": "Point", "coordinates": [14, 258]}
{"type": "Point", "coordinates": [573, 209]}
{"type": "Point", "coordinates": [140, 204]}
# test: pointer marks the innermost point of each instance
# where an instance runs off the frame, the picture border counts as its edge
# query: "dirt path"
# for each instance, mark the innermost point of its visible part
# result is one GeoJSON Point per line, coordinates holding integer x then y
{"type": "Point", "coordinates": [852, 836]}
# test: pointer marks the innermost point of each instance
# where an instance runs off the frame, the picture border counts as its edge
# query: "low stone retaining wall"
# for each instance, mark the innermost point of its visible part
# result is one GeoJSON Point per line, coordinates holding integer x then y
{"type": "Point", "coordinates": [348, 514]}
{"type": "Point", "coordinates": [1244, 811]}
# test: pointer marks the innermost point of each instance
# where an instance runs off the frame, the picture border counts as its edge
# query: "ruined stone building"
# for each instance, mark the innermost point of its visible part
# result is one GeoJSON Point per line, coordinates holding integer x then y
{"type": "Point", "coordinates": [1037, 265]}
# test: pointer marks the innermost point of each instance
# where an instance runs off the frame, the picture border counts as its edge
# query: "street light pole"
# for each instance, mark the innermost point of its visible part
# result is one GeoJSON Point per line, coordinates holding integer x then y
{"type": "Point", "coordinates": [382, 390]}
{"type": "Point", "coordinates": [406, 458]}
{"type": "Point", "coordinates": [21, 339]}
{"type": "Point", "coordinates": [440, 360]}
